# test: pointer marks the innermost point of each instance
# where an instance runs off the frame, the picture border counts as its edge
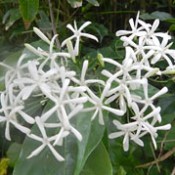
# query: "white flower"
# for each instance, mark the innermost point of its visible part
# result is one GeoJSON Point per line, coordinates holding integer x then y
{"type": "Point", "coordinates": [146, 123]}
{"type": "Point", "coordinates": [14, 71]}
{"type": "Point", "coordinates": [135, 29]}
{"type": "Point", "coordinates": [48, 56]}
{"type": "Point", "coordinates": [127, 131]}
{"type": "Point", "coordinates": [149, 101]}
{"type": "Point", "coordinates": [77, 33]}
{"type": "Point", "coordinates": [36, 80]}
{"type": "Point", "coordinates": [64, 119]}
{"type": "Point", "coordinates": [45, 140]}
{"type": "Point", "coordinates": [151, 37]}
{"type": "Point", "coordinates": [99, 106]}
{"type": "Point", "coordinates": [163, 51]}
{"type": "Point", "coordinates": [9, 116]}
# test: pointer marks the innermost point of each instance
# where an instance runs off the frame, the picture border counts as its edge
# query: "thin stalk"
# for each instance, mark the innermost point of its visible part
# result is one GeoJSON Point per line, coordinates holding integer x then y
{"type": "Point", "coordinates": [53, 24]}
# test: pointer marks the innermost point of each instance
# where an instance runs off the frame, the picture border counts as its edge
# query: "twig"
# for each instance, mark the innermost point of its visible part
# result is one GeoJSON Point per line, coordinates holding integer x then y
{"type": "Point", "coordinates": [53, 24]}
{"type": "Point", "coordinates": [162, 143]}
{"type": "Point", "coordinates": [155, 158]}
{"type": "Point", "coordinates": [173, 172]}
{"type": "Point", "coordinates": [160, 159]}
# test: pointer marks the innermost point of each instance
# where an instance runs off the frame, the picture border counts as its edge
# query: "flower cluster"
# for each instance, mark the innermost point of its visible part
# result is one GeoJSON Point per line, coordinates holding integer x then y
{"type": "Point", "coordinates": [144, 47]}
{"type": "Point", "coordinates": [47, 76]}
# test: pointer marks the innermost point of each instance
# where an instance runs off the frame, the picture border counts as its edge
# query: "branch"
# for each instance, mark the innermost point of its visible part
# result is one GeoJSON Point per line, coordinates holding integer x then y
{"type": "Point", "coordinates": [160, 159]}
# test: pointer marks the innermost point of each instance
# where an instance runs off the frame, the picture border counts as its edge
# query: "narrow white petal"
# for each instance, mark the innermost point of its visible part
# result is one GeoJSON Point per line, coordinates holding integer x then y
{"type": "Point", "coordinates": [106, 73]}
{"type": "Point", "coordinates": [75, 111]}
{"type": "Point", "coordinates": [76, 133]}
{"type": "Point", "coordinates": [49, 113]}
{"type": "Point", "coordinates": [52, 43]}
{"type": "Point", "coordinates": [20, 127]}
{"type": "Point", "coordinates": [111, 98]}
{"type": "Point", "coordinates": [164, 90]}
{"type": "Point", "coordinates": [111, 61]}
{"type": "Point", "coordinates": [41, 126]}
{"type": "Point", "coordinates": [36, 151]}
{"type": "Point", "coordinates": [59, 137]}
{"type": "Point", "coordinates": [164, 127]}
{"type": "Point", "coordinates": [27, 91]}
{"type": "Point", "coordinates": [156, 58]}
{"type": "Point", "coordinates": [105, 90]}
{"type": "Point", "coordinates": [126, 142]}
{"type": "Point", "coordinates": [69, 26]}
{"type": "Point", "coordinates": [95, 114]}
{"type": "Point", "coordinates": [153, 113]}
{"type": "Point", "coordinates": [76, 100]}
{"type": "Point", "coordinates": [114, 111]}
{"type": "Point", "coordinates": [154, 141]}
{"type": "Point", "coordinates": [33, 50]}
{"type": "Point", "coordinates": [61, 54]}
{"type": "Point", "coordinates": [155, 25]}
{"type": "Point", "coordinates": [32, 66]}
{"type": "Point", "coordinates": [64, 118]}
{"type": "Point", "coordinates": [55, 153]}
{"type": "Point", "coordinates": [116, 134]}
{"type": "Point", "coordinates": [7, 131]}
{"type": "Point", "coordinates": [138, 141]}
{"type": "Point", "coordinates": [41, 35]}
{"type": "Point", "coordinates": [100, 118]}
{"type": "Point", "coordinates": [123, 32]}
{"type": "Point", "coordinates": [35, 137]}
{"type": "Point", "coordinates": [77, 46]}
{"type": "Point", "coordinates": [122, 103]}
{"type": "Point", "coordinates": [66, 41]}
{"type": "Point", "coordinates": [87, 35]}
{"type": "Point", "coordinates": [84, 25]}
{"type": "Point", "coordinates": [83, 71]}
{"type": "Point", "coordinates": [26, 117]}
{"type": "Point", "coordinates": [64, 88]}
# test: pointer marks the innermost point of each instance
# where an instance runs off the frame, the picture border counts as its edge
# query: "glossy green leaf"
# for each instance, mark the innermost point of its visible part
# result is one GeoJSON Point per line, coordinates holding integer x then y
{"type": "Point", "coordinates": [75, 153]}
{"type": "Point", "coordinates": [98, 162]}
{"type": "Point", "coordinates": [92, 133]}
{"type": "Point", "coordinates": [45, 163]}
{"type": "Point", "coordinates": [28, 9]}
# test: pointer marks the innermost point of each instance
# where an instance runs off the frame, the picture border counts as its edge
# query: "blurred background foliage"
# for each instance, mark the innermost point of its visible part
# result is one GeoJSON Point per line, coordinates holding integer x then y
{"type": "Point", "coordinates": [17, 19]}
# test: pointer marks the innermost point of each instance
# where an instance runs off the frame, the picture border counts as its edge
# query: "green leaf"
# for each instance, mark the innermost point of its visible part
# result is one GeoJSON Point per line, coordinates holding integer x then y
{"type": "Point", "coordinates": [13, 153]}
{"type": "Point", "coordinates": [75, 3]}
{"type": "Point", "coordinates": [172, 28]}
{"type": "Point", "coordinates": [92, 134]}
{"type": "Point", "coordinates": [28, 9]}
{"type": "Point", "coordinates": [98, 30]}
{"type": "Point", "coordinates": [98, 162]}
{"type": "Point", "coordinates": [93, 2]}
{"type": "Point", "coordinates": [121, 171]}
{"type": "Point", "coordinates": [10, 17]}
{"type": "Point", "coordinates": [45, 163]}
{"type": "Point", "coordinates": [156, 15]}
{"type": "Point", "coordinates": [43, 22]}
{"type": "Point", "coordinates": [75, 153]}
